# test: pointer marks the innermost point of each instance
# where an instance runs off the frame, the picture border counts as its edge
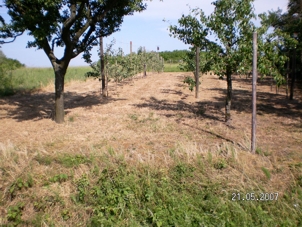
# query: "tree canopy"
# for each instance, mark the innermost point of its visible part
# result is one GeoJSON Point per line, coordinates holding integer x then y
{"type": "Point", "coordinates": [74, 25]}
{"type": "Point", "coordinates": [225, 36]}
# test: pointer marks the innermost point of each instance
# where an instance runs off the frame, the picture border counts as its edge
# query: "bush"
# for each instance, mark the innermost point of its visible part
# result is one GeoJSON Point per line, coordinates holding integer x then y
{"type": "Point", "coordinates": [7, 65]}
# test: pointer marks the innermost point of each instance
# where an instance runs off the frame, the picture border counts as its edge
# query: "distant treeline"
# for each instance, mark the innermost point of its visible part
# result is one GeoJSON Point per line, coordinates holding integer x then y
{"type": "Point", "coordinates": [174, 56]}
{"type": "Point", "coordinates": [6, 66]}
{"type": "Point", "coordinates": [9, 62]}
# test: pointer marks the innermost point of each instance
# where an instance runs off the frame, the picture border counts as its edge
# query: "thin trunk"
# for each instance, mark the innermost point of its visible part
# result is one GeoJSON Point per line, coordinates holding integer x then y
{"type": "Point", "coordinates": [228, 97]}
{"type": "Point", "coordinates": [287, 79]}
{"type": "Point", "coordinates": [145, 70]}
{"type": "Point", "coordinates": [197, 74]}
{"type": "Point", "coordinates": [59, 94]}
{"type": "Point", "coordinates": [106, 79]}
{"type": "Point", "coordinates": [293, 77]}
{"type": "Point", "coordinates": [102, 61]}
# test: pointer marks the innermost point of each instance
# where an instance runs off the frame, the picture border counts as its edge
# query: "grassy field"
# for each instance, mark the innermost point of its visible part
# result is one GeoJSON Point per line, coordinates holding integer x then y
{"type": "Point", "coordinates": [28, 79]}
{"type": "Point", "coordinates": [149, 155]}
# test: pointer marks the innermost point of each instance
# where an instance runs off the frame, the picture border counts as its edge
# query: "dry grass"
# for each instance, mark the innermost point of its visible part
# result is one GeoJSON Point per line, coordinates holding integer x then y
{"type": "Point", "coordinates": [152, 121]}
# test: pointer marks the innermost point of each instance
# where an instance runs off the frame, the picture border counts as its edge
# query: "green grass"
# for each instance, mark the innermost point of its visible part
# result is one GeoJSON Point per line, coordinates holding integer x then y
{"type": "Point", "coordinates": [174, 67]}
{"type": "Point", "coordinates": [26, 79]}
{"type": "Point", "coordinates": [108, 191]}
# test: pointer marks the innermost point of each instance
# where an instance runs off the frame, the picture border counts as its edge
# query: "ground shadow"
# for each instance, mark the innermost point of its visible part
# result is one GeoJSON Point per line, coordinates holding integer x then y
{"type": "Point", "coordinates": [174, 109]}
{"type": "Point", "coordinates": [37, 106]}
{"type": "Point", "coordinates": [267, 103]}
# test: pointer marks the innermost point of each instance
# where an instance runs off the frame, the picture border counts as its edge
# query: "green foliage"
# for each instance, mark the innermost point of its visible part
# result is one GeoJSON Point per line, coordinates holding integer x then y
{"type": "Point", "coordinates": [189, 65]}
{"type": "Point", "coordinates": [14, 214]}
{"type": "Point", "coordinates": [119, 67]}
{"type": "Point", "coordinates": [125, 196]}
{"type": "Point", "coordinates": [56, 23]}
{"type": "Point", "coordinates": [116, 193]}
{"type": "Point", "coordinates": [220, 164]}
{"type": "Point", "coordinates": [82, 185]}
{"type": "Point", "coordinates": [171, 67]}
{"type": "Point", "coordinates": [28, 79]}
{"type": "Point", "coordinates": [75, 26]}
{"type": "Point", "coordinates": [190, 81]}
{"type": "Point", "coordinates": [273, 48]}
{"type": "Point", "coordinates": [59, 178]}
{"type": "Point", "coordinates": [7, 66]}
{"type": "Point", "coordinates": [286, 36]}
{"type": "Point", "coordinates": [71, 161]}
{"type": "Point", "coordinates": [174, 56]}
{"type": "Point", "coordinates": [231, 25]}
{"type": "Point", "coordinates": [19, 185]}
{"type": "Point", "coordinates": [65, 214]}
{"type": "Point", "coordinates": [266, 172]}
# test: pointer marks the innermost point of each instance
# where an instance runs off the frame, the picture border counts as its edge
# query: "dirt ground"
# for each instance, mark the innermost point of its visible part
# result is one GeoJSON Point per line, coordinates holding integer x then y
{"type": "Point", "coordinates": [151, 115]}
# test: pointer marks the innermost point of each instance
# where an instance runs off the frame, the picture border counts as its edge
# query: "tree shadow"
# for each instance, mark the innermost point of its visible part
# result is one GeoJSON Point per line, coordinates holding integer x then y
{"type": "Point", "coordinates": [173, 92]}
{"type": "Point", "coordinates": [26, 106]}
{"type": "Point", "coordinates": [267, 103]}
{"type": "Point", "coordinates": [176, 108]}
{"type": "Point", "coordinates": [214, 134]}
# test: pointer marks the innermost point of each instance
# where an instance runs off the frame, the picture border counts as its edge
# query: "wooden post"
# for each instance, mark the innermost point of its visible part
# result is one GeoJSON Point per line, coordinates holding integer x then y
{"type": "Point", "coordinates": [197, 74]}
{"type": "Point", "coordinates": [130, 47]}
{"type": "Point", "coordinates": [254, 91]}
{"type": "Point", "coordinates": [102, 68]}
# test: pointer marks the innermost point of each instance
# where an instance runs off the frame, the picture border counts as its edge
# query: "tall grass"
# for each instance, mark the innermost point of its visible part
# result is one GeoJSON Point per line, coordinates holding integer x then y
{"type": "Point", "coordinates": [35, 78]}
{"type": "Point", "coordinates": [27, 79]}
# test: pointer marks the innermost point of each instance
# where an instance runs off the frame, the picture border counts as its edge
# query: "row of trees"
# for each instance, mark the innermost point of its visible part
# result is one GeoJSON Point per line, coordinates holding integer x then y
{"type": "Point", "coordinates": [225, 40]}
{"type": "Point", "coordinates": [118, 66]}
{"type": "Point", "coordinates": [174, 56]}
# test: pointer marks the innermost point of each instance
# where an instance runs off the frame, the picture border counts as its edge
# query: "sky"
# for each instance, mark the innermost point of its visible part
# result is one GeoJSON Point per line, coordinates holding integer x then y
{"type": "Point", "coordinates": [147, 29]}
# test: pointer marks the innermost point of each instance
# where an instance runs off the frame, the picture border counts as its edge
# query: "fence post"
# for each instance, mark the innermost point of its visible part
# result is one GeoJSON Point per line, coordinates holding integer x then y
{"type": "Point", "coordinates": [197, 74]}
{"type": "Point", "coordinates": [254, 94]}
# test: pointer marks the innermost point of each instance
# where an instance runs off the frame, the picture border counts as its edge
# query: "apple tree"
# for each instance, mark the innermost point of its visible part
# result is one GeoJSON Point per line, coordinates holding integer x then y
{"type": "Point", "coordinates": [74, 25]}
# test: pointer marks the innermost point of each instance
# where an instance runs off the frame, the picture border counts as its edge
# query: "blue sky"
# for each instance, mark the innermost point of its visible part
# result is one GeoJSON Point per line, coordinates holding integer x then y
{"type": "Point", "coordinates": [144, 29]}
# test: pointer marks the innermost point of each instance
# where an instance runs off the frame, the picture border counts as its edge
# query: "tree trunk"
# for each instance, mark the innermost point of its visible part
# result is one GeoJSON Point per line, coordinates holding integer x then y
{"type": "Point", "coordinates": [287, 72]}
{"type": "Point", "coordinates": [197, 74]}
{"type": "Point", "coordinates": [59, 94]}
{"type": "Point", "coordinates": [293, 77]}
{"type": "Point", "coordinates": [102, 65]}
{"type": "Point", "coordinates": [228, 97]}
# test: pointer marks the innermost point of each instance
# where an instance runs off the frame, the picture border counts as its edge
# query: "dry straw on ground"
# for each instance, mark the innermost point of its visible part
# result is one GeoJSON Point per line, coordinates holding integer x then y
{"type": "Point", "coordinates": [154, 121]}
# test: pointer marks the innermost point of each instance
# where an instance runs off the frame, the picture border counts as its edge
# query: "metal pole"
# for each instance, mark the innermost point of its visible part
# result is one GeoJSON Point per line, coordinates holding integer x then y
{"type": "Point", "coordinates": [254, 91]}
